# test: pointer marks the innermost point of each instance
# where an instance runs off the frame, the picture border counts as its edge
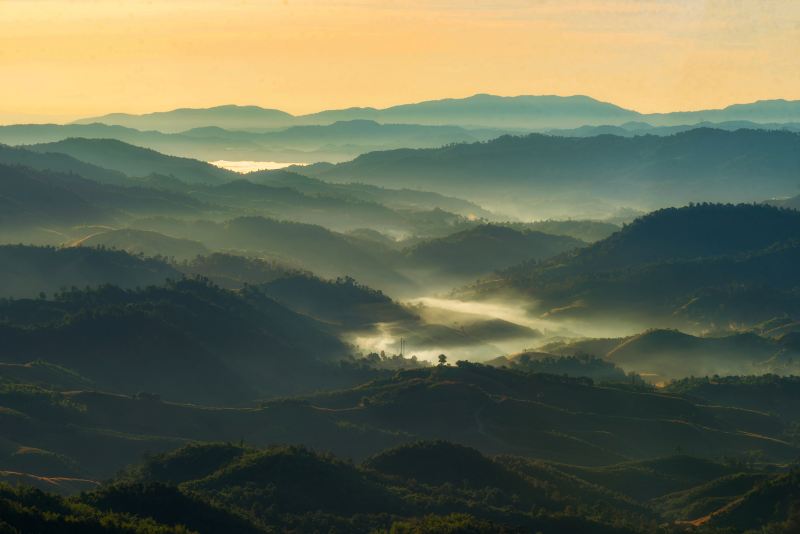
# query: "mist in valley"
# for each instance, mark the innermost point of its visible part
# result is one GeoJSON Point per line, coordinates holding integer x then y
{"type": "Point", "coordinates": [398, 268]}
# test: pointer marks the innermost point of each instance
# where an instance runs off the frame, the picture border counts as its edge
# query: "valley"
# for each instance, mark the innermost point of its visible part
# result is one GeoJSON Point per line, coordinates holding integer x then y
{"type": "Point", "coordinates": [376, 304]}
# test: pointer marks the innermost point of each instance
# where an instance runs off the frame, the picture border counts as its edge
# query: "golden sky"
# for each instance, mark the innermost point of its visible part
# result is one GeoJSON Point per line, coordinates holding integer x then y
{"type": "Point", "coordinates": [69, 58]}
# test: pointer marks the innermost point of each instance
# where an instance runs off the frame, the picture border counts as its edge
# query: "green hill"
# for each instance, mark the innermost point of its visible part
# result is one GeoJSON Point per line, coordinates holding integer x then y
{"type": "Point", "coordinates": [675, 354]}
{"type": "Point", "coordinates": [579, 365]}
{"type": "Point", "coordinates": [566, 419]}
{"type": "Point", "coordinates": [326, 253]}
{"type": "Point", "coordinates": [767, 394]}
{"type": "Point", "coordinates": [51, 202]}
{"type": "Point", "coordinates": [552, 418]}
{"type": "Point", "coordinates": [481, 250]}
{"type": "Point", "coordinates": [670, 354]}
{"type": "Point", "coordinates": [409, 199]}
{"type": "Point", "coordinates": [135, 161]}
{"type": "Point", "coordinates": [145, 243]}
{"type": "Point", "coordinates": [587, 231]}
{"type": "Point", "coordinates": [203, 344]}
{"type": "Point", "coordinates": [700, 501]}
{"type": "Point", "coordinates": [773, 501]}
{"type": "Point", "coordinates": [335, 212]}
{"type": "Point", "coordinates": [40, 198]}
{"type": "Point", "coordinates": [234, 272]}
{"type": "Point", "coordinates": [29, 271]}
{"type": "Point", "coordinates": [439, 462]}
{"type": "Point", "coordinates": [27, 510]}
{"type": "Point", "coordinates": [342, 301]}
{"type": "Point", "coordinates": [701, 265]}
{"type": "Point", "coordinates": [553, 176]}
{"type": "Point", "coordinates": [297, 489]}
{"type": "Point", "coordinates": [56, 162]}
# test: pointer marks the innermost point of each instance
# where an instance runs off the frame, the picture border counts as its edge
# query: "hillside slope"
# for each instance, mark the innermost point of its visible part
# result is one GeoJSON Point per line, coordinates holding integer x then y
{"type": "Point", "coordinates": [699, 265]}
{"type": "Point", "coordinates": [546, 173]}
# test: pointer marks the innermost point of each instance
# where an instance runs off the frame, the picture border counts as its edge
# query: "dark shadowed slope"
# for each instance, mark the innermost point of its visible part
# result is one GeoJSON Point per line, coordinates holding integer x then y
{"type": "Point", "coordinates": [484, 249]}
{"type": "Point", "coordinates": [187, 341]}
{"type": "Point", "coordinates": [662, 354]}
{"type": "Point", "coordinates": [143, 242]}
{"type": "Point", "coordinates": [410, 199]}
{"type": "Point", "coordinates": [701, 164]}
{"type": "Point", "coordinates": [56, 199]}
{"type": "Point", "coordinates": [135, 161]}
{"type": "Point", "coordinates": [710, 264]}
{"type": "Point", "coordinates": [315, 248]}
{"type": "Point", "coordinates": [41, 161]}
{"type": "Point", "coordinates": [28, 271]}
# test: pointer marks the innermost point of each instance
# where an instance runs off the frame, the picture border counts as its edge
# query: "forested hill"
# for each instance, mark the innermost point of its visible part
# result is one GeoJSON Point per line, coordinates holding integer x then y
{"type": "Point", "coordinates": [689, 166]}
{"type": "Point", "coordinates": [706, 263]}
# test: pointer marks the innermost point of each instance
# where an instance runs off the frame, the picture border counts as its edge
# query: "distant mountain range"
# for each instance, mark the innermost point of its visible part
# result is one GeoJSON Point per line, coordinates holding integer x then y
{"type": "Point", "coordinates": [482, 110]}
{"type": "Point", "coordinates": [342, 140]}
{"type": "Point", "coordinates": [251, 133]}
{"type": "Point", "coordinates": [542, 174]}
{"type": "Point", "coordinates": [634, 128]}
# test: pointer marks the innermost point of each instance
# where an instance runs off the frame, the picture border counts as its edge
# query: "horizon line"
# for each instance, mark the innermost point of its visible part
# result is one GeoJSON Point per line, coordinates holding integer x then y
{"type": "Point", "coordinates": [69, 118]}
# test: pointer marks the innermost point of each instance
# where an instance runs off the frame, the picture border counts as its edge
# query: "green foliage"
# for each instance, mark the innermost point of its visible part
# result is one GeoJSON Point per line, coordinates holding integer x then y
{"type": "Point", "coordinates": [166, 504]}
{"type": "Point", "coordinates": [578, 365]}
{"type": "Point", "coordinates": [235, 272]}
{"type": "Point", "coordinates": [554, 175]}
{"type": "Point", "coordinates": [711, 264]}
{"type": "Point", "coordinates": [450, 524]}
{"type": "Point", "coordinates": [203, 343]}
{"type": "Point", "coordinates": [584, 230]}
{"type": "Point", "coordinates": [30, 271]}
{"type": "Point", "coordinates": [341, 301]}
{"type": "Point", "coordinates": [26, 510]}
{"type": "Point", "coordinates": [294, 489]}
{"type": "Point", "coordinates": [133, 160]}
{"type": "Point", "coordinates": [484, 249]}
{"type": "Point", "coordinates": [192, 462]}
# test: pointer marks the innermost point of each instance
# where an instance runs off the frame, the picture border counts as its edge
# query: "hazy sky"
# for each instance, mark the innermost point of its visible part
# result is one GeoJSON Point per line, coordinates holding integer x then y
{"type": "Point", "coordinates": [79, 57]}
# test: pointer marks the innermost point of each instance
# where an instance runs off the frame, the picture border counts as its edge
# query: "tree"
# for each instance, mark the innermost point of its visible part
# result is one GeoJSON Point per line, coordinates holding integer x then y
{"type": "Point", "coordinates": [442, 359]}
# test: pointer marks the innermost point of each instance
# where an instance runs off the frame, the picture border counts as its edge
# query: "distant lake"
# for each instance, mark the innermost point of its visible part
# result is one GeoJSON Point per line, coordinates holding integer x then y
{"type": "Point", "coordinates": [250, 166]}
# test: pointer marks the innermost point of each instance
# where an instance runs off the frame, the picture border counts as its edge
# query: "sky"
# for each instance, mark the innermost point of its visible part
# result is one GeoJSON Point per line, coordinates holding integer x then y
{"type": "Point", "coordinates": [74, 58]}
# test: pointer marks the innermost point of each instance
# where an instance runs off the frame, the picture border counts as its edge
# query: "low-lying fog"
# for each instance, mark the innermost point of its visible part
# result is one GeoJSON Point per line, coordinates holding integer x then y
{"type": "Point", "coordinates": [479, 331]}
{"type": "Point", "coordinates": [252, 166]}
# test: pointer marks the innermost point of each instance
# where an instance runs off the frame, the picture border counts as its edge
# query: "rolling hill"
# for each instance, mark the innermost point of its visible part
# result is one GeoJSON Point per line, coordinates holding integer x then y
{"type": "Point", "coordinates": [552, 418]}
{"type": "Point", "coordinates": [662, 355]}
{"type": "Point", "coordinates": [203, 344]}
{"type": "Point", "coordinates": [135, 161]}
{"type": "Point", "coordinates": [403, 199]}
{"type": "Point", "coordinates": [46, 161]}
{"type": "Point", "coordinates": [693, 266]}
{"type": "Point", "coordinates": [25, 272]}
{"type": "Point", "coordinates": [544, 175]}
{"type": "Point", "coordinates": [315, 248]}
{"type": "Point", "coordinates": [481, 250]}
{"type": "Point", "coordinates": [140, 242]}
{"type": "Point", "coordinates": [50, 201]}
